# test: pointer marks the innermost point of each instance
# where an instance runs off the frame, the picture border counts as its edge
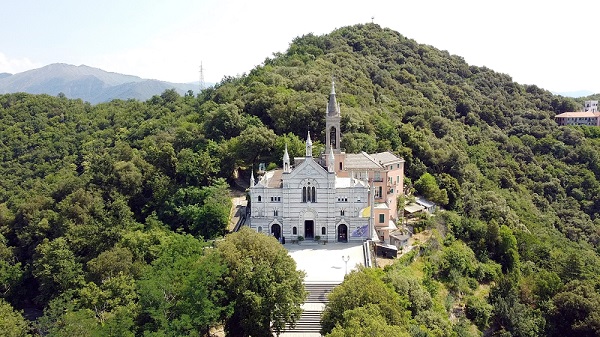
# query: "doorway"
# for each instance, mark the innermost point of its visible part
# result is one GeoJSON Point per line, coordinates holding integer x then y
{"type": "Point", "coordinates": [276, 231]}
{"type": "Point", "coordinates": [309, 229]}
{"type": "Point", "coordinates": [342, 233]}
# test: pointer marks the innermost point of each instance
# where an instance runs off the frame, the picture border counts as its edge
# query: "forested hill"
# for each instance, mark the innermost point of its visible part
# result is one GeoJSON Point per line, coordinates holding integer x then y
{"type": "Point", "coordinates": [91, 197]}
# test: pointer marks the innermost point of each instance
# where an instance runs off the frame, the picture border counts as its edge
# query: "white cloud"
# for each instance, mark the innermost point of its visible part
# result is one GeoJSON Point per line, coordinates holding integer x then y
{"type": "Point", "coordinates": [16, 65]}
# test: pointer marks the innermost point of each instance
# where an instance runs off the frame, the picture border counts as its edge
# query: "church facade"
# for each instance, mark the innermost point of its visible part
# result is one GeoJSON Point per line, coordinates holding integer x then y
{"type": "Point", "coordinates": [336, 197]}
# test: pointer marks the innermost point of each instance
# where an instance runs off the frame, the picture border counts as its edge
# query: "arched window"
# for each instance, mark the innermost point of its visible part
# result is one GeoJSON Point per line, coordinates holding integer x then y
{"type": "Point", "coordinates": [294, 231]}
{"type": "Point", "coordinates": [259, 198]}
{"type": "Point", "coordinates": [304, 194]}
{"type": "Point", "coordinates": [313, 194]}
{"type": "Point", "coordinates": [323, 231]}
{"type": "Point", "coordinates": [308, 199]}
{"type": "Point", "coordinates": [332, 137]}
{"type": "Point", "coordinates": [260, 229]}
{"type": "Point", "coordinates": [340, 166]}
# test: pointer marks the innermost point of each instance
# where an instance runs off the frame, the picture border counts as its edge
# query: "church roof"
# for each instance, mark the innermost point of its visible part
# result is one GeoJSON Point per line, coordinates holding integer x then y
{"type": "Point", "coordinates": [360, 161]}
{"type": "Point", "coordinates": [271, 179]}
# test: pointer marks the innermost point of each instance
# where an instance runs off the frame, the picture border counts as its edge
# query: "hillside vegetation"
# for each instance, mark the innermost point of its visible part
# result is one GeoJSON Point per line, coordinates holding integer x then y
{"type": "Point", "coordinates": [516, 253]}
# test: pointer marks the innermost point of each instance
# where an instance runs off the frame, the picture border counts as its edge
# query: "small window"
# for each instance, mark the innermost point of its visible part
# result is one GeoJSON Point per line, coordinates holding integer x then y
{"type": "Point", "coordinates": [381, 218]}
{"type": "Point", "coordinates": [340, 166]}
{"type": "Point", "coordinates": [275, 212]}
{"type": "Point", "coordinates": [259, 198]}
{"type": "Point", "coordinates": [323, 231]}
{"type": "Point", "coordinates": [294, 231]}
{"type": "Point", "coordinates": [342, 212]}
{"type": "Point", "coordinates": [260, 229]}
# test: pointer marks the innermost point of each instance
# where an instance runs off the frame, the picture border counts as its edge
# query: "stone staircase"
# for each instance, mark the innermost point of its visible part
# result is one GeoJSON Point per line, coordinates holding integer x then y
{"type": "Point", "coordinates": [309, 323]}
{"type": "Point", "coordinates": [317, 292]}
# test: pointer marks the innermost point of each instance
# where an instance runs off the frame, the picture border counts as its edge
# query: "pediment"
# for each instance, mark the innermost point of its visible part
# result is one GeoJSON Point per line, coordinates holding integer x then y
{"type": "Point", "coordinates": [308, 169]}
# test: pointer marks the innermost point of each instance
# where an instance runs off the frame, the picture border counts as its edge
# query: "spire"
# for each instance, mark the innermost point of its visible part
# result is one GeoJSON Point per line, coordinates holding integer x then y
{"type": "Point", "coordinates": [286, 155]}
{"type": "Point", "coordinates": [308, 146]}
{"type": "Point", "coordinates": [332, 107]}
{"type": "Point", "coordinates": [331, 161]}
{"type": "Point", "coordinates": [286, 160]}
{"type": "Point", "coordinates": [252, 178]}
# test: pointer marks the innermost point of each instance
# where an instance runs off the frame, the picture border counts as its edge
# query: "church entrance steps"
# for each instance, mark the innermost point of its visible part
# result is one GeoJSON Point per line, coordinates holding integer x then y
{"type": "Point", "coordinates": [309, 323]}
{"type": "Point", "coordinates": [317, 292]}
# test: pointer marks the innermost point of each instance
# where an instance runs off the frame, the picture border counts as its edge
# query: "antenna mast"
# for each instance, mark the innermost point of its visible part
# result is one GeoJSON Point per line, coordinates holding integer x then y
{"type": "Point", "coordinates": [201, 77]}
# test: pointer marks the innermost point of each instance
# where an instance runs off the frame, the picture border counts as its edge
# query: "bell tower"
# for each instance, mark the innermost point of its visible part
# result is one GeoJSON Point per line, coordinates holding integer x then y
{"type": "Point", "coordinates": [332, 123]}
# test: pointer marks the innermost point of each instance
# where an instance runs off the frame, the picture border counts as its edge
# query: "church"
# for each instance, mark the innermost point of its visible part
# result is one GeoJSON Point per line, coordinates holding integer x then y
{"type": "Point", "coordinates": [337, 197]}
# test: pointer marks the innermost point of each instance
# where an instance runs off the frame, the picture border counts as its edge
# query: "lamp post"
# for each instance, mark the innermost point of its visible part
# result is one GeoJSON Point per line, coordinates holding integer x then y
{"type": "Point", "coordinates": [346, 259]}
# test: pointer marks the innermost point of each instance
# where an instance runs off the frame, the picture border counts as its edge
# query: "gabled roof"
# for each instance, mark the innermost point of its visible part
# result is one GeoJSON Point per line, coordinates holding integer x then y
{"type": "Point", "coordinates": [386, 157]}
{"type": "Point", "coordinates": [360, 161]}
{"type": "Point", "coordinates": [308, 165]}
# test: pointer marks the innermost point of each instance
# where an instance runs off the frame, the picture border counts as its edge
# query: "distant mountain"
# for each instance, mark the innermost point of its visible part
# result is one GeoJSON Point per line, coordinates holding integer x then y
{"type": "Point", "coordinates": [90, 84]}
{"type": "Point", "coordinates": [575, 94]}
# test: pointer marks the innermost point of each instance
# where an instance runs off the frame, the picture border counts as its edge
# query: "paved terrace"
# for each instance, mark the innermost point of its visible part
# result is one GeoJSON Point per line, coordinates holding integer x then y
{"type": "Point", "coordinates": [325, 268]}
{"type": "Point", "coordinates": [324, 263]}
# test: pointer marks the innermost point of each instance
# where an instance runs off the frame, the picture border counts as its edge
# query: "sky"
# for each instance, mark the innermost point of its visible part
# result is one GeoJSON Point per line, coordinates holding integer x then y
{"type": "Point", "coordinates": [552, 44]}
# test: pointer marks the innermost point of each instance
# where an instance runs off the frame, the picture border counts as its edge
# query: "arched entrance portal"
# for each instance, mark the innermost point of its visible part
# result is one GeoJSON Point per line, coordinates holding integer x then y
{"type": "Point", "coordinates": [276, 231]}
{"type": "Point", "coordinates": [309, 229]}
{"type": "Point", "coordinates": [342, 233]}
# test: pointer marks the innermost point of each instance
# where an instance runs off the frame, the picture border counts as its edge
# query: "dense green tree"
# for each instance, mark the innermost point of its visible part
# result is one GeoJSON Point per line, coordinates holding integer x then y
{"type": "Point", "coordinates": [12, 323]}
{"type": "Point", "coordinates": [366, 321]}
{"type": "Point", "coordinates": [359, 289]}
{"type": "Point", "coordinates": [409, 287]}
{"type": "Point", "coordinates": [576, 311]}
{"type": "Point", "coordinates": [10, 269]}
{"type": "Point", "coordinates": [56, 268]}
{"type": "Point", "coordinates": [181, 293]}
{"type": "Point", "coordinates": [200, 211]}
{"type": "Point", "coordinates": [224, 122]}
{"type": "Point", "coordinates": [254, 143]}
{"type": "Point", "coordinates": [478, 311]}
{"type": "Point", "coordinates": [262, 283]}
{"type": "Point", "coordinates": [512, 317]}
{"type": "Point", "coordinates": [427, 186]}
{"type": "Point", "coordinates": [110, 263]}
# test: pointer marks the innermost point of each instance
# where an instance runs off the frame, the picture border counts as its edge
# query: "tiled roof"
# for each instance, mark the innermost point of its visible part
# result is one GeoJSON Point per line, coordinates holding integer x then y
{"type": "Point", "coordinates": [358, 161]}
{"type": "Point", "coordinates": [385, 157]}
{"type": "Point", "coordinates": [578, 114]}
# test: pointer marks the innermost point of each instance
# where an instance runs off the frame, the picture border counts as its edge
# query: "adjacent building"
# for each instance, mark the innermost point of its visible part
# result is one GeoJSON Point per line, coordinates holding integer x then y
{"type": "Point", "coordinates": [589, 116]}
{"type": "Point", "coordinates": [337, 196]}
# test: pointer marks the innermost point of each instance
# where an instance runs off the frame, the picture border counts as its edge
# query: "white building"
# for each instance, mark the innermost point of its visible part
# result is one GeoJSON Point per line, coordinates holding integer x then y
{"type": "Point", "coordinates": [591, 106]}
{"type": "Point", "coordinates": [329, 196]}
